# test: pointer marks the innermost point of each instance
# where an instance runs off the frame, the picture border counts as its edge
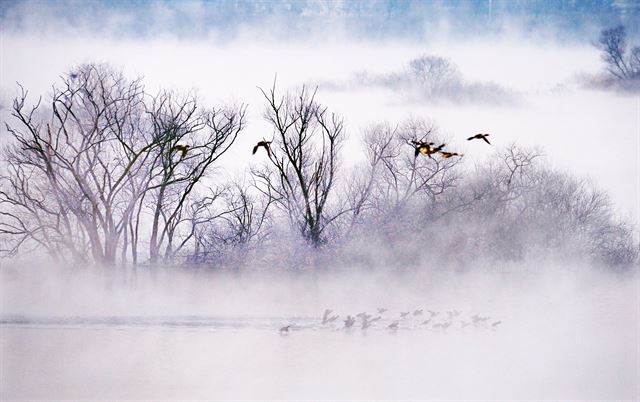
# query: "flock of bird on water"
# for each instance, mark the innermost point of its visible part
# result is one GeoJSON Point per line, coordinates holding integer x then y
{"type": "Point", "coordinates": [366, 320]}
{"type": "Point", "coordinates": [429, 319]}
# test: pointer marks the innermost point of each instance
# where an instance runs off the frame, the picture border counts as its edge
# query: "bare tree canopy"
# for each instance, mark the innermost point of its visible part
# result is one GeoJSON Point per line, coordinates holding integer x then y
{"type": "Point", "coordinates": [613, 44]}
{"type": "Point", "coordinates": [75, 182]}
{"type": "Point", "coordinates": [107, 173]}
{"type": "Point", "coordinates": [303, 161]}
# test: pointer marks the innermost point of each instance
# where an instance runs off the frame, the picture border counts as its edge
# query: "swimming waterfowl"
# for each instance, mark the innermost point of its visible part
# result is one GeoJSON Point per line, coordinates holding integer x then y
{"type": "Point", "coordinates": [480, 136]}
{"type": "Point", "coordinates": [477, 318]}
{"type": "Point", "coordinates": [393, 325]}
{"type": "Point", "coordinates": [326, 318]}
{"type": "Point", "coordinates": [348, 323]}
{"type": "Point", "coordinates": [363, 316]}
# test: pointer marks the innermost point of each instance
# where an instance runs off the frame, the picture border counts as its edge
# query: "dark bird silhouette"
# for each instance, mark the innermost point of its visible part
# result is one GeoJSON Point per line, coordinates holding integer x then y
{"type": "Point", "coordinates": [181, 148]}
{"type": "Point", "coordinates": [480, 136]}
{"type": "Point", "coordinates": [265, 144]}
{"type": "Point", "coordinates": [447, 155]}
{"type": "Point", "coordinates": [426, 149]}
{"type": "Point", "coordinates": [423, 148]}
{"type": "Point", "coordinates": [393, 325]}
{"type": "Point", "coordinates": [285, 329]}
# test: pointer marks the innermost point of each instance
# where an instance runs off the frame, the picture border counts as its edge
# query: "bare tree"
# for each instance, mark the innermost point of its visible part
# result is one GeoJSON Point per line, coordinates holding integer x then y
{"type": "Point", "coordinates": [240, 229]}
{"type": "Point", "coordinates": [303, 162]}
{"type": "Point", "coordinates": [76, 182]}
{"type": "Point", "coordinates": [191, 140]}
{"type": "Point", "coordinates": [73, 174]}
{"type": "Point", "coordinates": [379, 146]}
{"type": "Point", "coordinates": [612, 43]}
{"type": "Point", "coordinates": [432, 71]}
{"type": "Point", "coordinates": [406, 179]}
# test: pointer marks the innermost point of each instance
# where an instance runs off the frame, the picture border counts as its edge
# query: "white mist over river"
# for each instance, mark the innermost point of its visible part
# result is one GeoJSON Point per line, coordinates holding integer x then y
{"type": "Point", "coordinates": [175, 335]}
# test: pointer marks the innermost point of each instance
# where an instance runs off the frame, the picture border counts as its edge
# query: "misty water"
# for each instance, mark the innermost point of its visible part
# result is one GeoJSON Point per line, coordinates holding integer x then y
{"type": "Point", "coordinates": [565, 333]}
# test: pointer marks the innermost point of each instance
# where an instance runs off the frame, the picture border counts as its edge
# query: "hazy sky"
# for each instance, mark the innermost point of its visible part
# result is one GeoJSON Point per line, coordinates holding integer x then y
{"type": "Point", "coordinates": [537, 53]}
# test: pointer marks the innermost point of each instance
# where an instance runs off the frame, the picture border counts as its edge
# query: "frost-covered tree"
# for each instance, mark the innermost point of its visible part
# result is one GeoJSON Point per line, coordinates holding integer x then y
{"type": "Point", "coordinates": [303, 162]}
{"type": "Point", "coordinates": [77, 174]}
{"type": "Point", "coordinates": [622, 63]}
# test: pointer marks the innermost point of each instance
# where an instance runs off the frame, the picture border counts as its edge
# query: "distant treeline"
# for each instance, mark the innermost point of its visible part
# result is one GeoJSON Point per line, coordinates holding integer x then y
{"type": "Point", "coordinates": [104, 172]}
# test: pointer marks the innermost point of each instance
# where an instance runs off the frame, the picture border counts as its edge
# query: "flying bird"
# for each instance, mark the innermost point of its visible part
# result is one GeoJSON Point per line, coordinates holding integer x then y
{"type": "Point", "coordinates": [265, 144]}
{"type": "Point", "coordinates": [426, 149]}
{"type": "Point", "coordinates": [447, 155]}
{"type": "Point", "coordinates": [480, 136]}
{"type": "Point", "coordinates": [181, 148]}
{"type": "Point", "coordinates": [423, 148]}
